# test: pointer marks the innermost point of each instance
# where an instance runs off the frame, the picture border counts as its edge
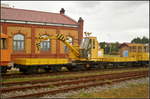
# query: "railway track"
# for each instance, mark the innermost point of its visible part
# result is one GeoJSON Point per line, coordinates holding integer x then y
{"type": "Point", "coordinates": [52, 79]}
{"type": "Point", "coordinates": [42, 74]}
{"type": "Point", "coordinates": [87, 81]}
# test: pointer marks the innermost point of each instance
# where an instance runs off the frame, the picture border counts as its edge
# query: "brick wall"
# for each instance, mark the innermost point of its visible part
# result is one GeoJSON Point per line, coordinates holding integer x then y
{"type": "Point", "coordinates": [31, 32]}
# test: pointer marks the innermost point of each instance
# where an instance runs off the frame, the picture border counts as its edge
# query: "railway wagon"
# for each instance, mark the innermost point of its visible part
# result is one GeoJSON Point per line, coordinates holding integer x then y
{"type": "Point", "coordinates": [4, 53]}
{"type": "Point", "coordinates": [88, 55]}
{"type": "Point", "coordinates": [34, 65]}
{"type": "Point", "coordinates": [138, 51]}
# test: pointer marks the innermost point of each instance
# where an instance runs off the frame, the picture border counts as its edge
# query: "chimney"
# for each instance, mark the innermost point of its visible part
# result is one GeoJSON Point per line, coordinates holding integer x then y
{"type": "Point", "coordinates": [62, 11]}
{"type": "Point", "coordinates": [80, 20]}
{"type": "Point", "coordinates": [80, 23]}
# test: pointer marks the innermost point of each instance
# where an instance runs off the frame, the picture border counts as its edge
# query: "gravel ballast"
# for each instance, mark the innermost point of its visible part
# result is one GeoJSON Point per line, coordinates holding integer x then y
{"type": "Point", "coordinates": [70, 93]}
{"type": "Point", "coordinates": [99, 88]}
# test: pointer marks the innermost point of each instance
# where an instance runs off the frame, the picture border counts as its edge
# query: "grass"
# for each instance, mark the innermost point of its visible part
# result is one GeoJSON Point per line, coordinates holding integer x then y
{"type": "Point", "coordinates": [51, 86]}
{"type": "Point", "coordinates": [131, 91]}
{"type": "Point", "coordinates": [71, 75]}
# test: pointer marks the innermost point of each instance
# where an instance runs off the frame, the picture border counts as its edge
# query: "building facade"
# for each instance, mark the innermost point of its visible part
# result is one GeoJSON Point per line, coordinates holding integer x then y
{"type": "Point", "coordinates": [126, 48]}
{"type": "Point", "coordinates": [24, 27]}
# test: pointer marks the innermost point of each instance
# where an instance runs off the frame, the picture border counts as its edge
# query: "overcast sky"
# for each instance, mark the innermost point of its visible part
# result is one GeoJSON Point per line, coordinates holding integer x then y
{"type": "Point", "coordinates": [110, 21]}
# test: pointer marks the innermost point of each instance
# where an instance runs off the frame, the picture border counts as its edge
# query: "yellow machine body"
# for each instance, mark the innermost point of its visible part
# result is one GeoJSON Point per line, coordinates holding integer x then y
{"type": "Point", "coordinates": [97, 54]}
{"type": "Point", "coordinates": [140, 56]}
{"type": "Point", "coordinates": [117, 59]}
{"type": "Point", "coordinates": [41, 61]}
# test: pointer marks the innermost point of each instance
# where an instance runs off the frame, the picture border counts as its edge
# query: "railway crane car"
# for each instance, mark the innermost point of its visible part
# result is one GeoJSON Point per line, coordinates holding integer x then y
{"type": "Point", "coordinates": [4, 53]}
{"type": "Point", "coordinates": [86, 56]}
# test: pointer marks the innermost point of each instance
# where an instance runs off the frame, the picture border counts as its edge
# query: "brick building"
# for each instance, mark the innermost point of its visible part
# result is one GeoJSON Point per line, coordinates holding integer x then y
{"type": "Point", "coordinates": [24, 26]}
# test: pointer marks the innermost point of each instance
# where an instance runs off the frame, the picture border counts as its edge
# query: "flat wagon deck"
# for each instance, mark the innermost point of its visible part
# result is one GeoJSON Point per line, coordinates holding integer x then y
{"type": "Point", "coordinates": [32, 65]}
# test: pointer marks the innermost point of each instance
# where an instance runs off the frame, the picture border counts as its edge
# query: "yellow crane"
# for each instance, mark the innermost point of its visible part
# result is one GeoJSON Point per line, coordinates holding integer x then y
{"type": "Point", "coordinates": [88, 50]}
{"type": "Point", "coordinates": [74, 51]}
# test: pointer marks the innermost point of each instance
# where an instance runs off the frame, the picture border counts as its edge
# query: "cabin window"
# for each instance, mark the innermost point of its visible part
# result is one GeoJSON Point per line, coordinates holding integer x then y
{"type": "Point", "coordinates": [93, 44]}
{"type": "Point", "coordinates": [18, 42]}
{"type": "Point", "coordinates": [45, 45]}
{"type": "Point", "coordinates": [139, 49]}
{"type": "Point", "coordinates": [3, 44]}
{"type": "Point", "coordinates": [130, 49]}
{"type": "Point", "coordinates": [69, 40]}
{"type": "Point", "coordinates": [134, 49]}
{"type": "Point", "coordinates": [146, 49]}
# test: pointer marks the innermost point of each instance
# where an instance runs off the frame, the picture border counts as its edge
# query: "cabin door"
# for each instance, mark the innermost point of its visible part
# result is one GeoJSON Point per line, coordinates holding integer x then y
{"type": "Point", "coordinates": [125, 53]}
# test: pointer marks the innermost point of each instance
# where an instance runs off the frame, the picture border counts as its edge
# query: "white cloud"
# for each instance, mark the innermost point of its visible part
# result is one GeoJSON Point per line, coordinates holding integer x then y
{"type": "Point", "coordinates": [110, 21]}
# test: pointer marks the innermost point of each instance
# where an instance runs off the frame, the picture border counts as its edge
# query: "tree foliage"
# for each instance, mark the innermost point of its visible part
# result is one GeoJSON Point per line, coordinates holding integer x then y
{"type": "Point", "coordinates": [113, 48]}
{"type": "Point", "coordinates": [110, 48]}
{"type": "Point", "coordinates": [143, 40]}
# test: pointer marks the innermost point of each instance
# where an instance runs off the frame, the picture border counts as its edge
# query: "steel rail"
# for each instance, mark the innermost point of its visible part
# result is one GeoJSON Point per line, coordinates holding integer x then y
{"type": "Point", "coordinates": [57, 79]}
{"type": "Point", "coordinates": [79, 87]}
{"type": "Point", "coordinates": [74, 81]}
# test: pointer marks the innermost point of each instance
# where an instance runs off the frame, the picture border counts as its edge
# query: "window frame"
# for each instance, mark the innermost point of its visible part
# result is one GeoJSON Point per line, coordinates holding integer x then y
{"type": "Point", "coordinates": [21, 43]}
{"type": "Point", "coordinates": [1, 31]}
{"type": "Point", "coordinates": [45, 43]}
{"type": "Point", "coordinates": [66, 49]}
{"type": "Point", "coordinates": [3, 43]}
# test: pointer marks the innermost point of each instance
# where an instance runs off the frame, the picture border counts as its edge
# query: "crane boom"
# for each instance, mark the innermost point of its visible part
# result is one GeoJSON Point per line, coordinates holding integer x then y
{"type": "Point", "coordinates": [61, 38]}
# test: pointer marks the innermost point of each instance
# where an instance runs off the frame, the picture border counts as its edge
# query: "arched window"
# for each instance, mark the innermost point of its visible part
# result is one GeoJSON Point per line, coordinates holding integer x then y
{"type": "Point", "coordinates": [45, 45]}
{"type": "Point", "coordinates": [70, 40]}
{"type": "Point", "coordinates": [18, 42]}
{"type": "Point", "coordinates": [3, 43]}
{"type": "Point", "coordinates": [1, 29]}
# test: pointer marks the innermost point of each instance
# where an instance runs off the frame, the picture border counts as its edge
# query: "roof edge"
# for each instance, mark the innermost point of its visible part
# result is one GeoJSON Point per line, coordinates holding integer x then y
{"type": "Point", "coordinates": [70, 19]}
{"type": "Point", "coordinates": [37, 23]}
{"type": "Point", "coordinates": [29, 10]}
{"type": "Point", "coordinates": [74, 21]}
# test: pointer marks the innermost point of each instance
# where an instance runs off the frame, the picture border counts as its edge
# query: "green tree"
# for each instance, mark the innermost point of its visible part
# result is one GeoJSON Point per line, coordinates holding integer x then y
{"type": "Point", "coordinates": [110, 48]}
{"type": "Point", "coordinates": [116, 47]}
{"type": "Point", "coordinates": [136, 40]}
{"type": "Point", "coordinates": [143, 40]}
{"type": "Point", "coordinates": [103, 45]}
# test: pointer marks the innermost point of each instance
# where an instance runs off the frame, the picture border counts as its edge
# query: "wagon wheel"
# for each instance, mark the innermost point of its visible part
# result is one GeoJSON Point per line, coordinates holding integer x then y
{"type": "Point", "coordinates": [56, 68]}
{"type": "Point", "coordinates": [3, 70]}
{"type": "Point", "coordinates": [80, 68]}
{"type": "Point", "coordinates": [69, 68]}
{"type": "Point", "coordinates": [22, 70]}
{"type": "Point", "coordinates": [46, 70]}
{"type": "Point", "coordinates": [29, 70]}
